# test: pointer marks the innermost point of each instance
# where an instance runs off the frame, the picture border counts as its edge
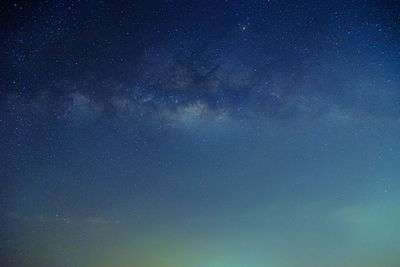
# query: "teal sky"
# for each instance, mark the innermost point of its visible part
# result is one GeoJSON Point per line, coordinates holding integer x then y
{"type": "Point", "coordinates": [314, 194]}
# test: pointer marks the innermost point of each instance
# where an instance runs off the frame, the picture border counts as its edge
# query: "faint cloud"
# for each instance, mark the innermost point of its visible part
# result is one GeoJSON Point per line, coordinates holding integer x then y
{"type": "Point", "coordinates": [375, 220]}
{"type": "Point", "coordinates": [57, 219]}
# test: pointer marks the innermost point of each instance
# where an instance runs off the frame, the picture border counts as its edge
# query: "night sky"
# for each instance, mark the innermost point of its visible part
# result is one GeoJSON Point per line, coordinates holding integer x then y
{"type": "Point", "coordinates": [219, 133]}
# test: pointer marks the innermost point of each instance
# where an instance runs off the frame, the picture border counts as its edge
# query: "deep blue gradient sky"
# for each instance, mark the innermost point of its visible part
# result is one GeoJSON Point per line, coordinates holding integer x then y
{"type": "Point", "coordinates": [200, 133]}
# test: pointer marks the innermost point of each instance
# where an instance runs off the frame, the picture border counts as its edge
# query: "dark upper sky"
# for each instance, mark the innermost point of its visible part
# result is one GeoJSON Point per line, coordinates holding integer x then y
{"type": "Point", "coordinates": [135, 115]}
{"type": "Point", "coordinates": [276, 59]}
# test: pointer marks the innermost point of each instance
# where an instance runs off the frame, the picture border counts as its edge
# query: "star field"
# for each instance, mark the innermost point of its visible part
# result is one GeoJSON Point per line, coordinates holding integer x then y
{"type": "Point", "coordinates": [199, 133]}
